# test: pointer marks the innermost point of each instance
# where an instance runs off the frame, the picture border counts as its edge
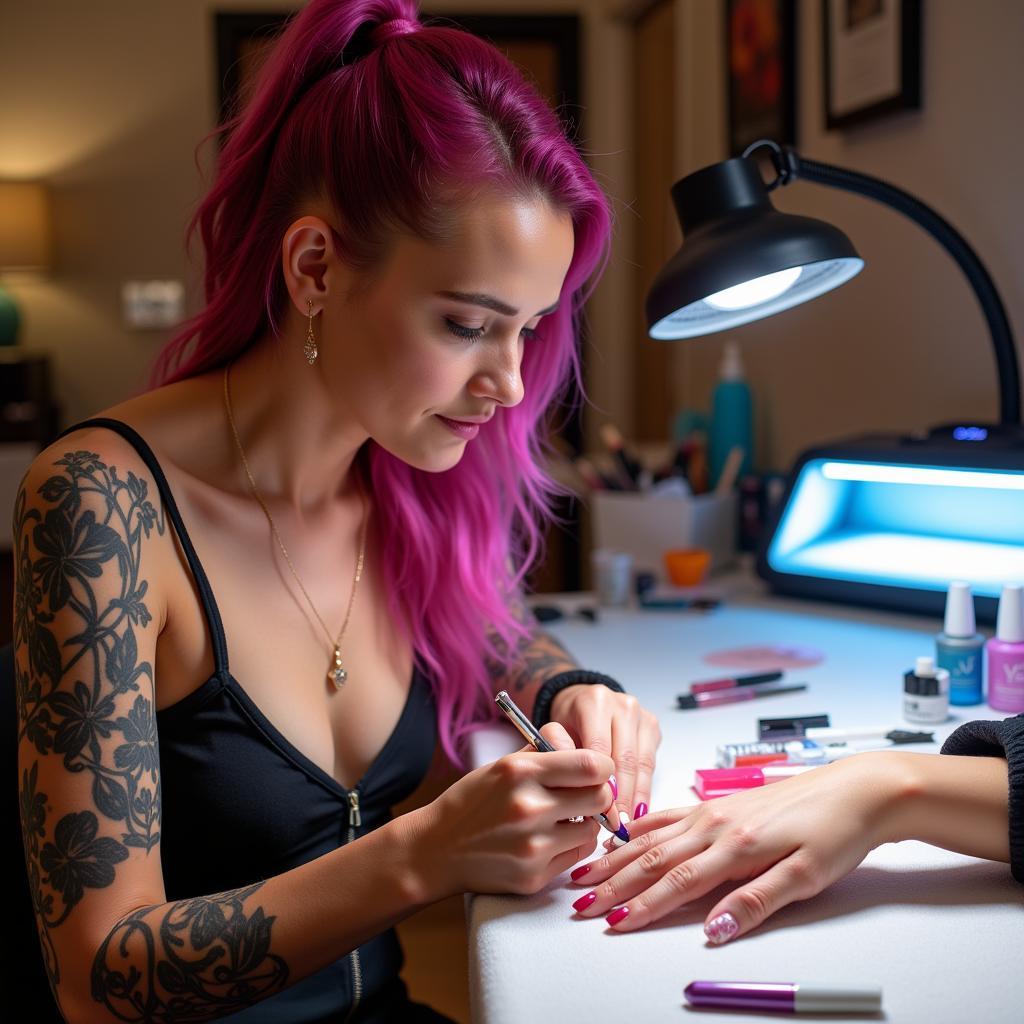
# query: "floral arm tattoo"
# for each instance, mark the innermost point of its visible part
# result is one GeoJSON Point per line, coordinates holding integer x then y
{"type": "Point", "coordinates": [80, 699]}
{"type": "Point", "coordinates": [540, 657]}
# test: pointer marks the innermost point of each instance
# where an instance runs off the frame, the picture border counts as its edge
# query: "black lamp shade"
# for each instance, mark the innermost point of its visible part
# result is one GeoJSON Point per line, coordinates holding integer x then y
{"type": "Point", "coordinates": [732, 234]}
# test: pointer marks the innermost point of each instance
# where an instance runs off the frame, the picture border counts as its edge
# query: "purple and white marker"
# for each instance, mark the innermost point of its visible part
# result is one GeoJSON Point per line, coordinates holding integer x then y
{"type": "Point", "coordinates": [785, 997]}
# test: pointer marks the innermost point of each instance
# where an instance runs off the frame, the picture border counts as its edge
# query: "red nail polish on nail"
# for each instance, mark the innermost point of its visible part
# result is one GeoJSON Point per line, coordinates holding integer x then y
{"type": "Point", "coordinates": [584, 901]}
{"type": "Point", "coordinates": [579, 872]}
{"type": "Point", "coordinates": [641, 810]}
{"type": "Point", "coordinates": [617, 915]}
{"type": "Point", "coordinates": [615, 787]}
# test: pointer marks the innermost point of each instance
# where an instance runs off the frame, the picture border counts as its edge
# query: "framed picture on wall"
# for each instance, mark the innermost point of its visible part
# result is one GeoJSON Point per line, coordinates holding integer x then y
{"type": "Point", "coordinates": [760, 47]}
{"type": "Point", "coordinates": [244, 39]}
{"type": "Point", "coordinates": [872, 59]}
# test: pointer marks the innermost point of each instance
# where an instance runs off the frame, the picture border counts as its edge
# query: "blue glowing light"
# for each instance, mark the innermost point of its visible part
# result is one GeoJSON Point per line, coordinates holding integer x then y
{"type": "Point", "coordinates": [932, 476]}
{"type": "Point", "coordinates": [969, 434]}
{"type": "Point", "coordinates": [903, 526]}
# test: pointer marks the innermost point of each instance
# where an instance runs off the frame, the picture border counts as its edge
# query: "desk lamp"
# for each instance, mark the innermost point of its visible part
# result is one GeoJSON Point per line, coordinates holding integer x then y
{"type": "Point", "coordinates": [880, 520]}
{"type": "Point", "coordinates": [24, 243]}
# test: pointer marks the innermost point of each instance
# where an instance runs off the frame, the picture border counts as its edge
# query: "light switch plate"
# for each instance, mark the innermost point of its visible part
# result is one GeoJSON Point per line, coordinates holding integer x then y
{"type": "Point", "coordinates": [147, 305]}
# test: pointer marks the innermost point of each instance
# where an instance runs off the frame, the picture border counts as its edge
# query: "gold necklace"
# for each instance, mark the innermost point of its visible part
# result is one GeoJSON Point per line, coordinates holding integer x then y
{"type": "Point", "coordinates": [336, 674]}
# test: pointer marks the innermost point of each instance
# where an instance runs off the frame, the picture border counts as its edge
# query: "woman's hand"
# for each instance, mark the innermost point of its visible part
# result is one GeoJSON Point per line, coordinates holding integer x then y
{"type": "Point", "coordinates": [503, 828]}
{"type": "Point", "coordinates": [786, 841]}
{"type": "Point", "coordinates": [614, 723]}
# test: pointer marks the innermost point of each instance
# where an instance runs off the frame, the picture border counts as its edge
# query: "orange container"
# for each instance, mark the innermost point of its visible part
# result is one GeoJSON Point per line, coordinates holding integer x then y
{"type": "Point", "coordinates": [686, 567]}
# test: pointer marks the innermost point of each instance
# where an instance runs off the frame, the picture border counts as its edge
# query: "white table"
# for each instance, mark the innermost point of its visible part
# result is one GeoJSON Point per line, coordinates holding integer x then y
{"type": "Point", "coordinates": [943, 934]}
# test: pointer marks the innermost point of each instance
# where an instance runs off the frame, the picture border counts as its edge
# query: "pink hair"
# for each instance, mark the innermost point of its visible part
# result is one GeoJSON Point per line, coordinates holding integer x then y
{"type": "Point", "coordinates": [394, 128]}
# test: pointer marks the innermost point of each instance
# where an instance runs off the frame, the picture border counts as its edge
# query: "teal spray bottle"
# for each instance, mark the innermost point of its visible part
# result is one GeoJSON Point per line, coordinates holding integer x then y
{"type": "Point", "coordinates": [731, 415]}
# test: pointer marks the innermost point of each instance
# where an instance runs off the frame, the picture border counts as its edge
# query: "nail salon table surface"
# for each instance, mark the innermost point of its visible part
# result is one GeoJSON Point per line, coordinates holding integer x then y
{"type": "Point", "coordinates": [943, 934]}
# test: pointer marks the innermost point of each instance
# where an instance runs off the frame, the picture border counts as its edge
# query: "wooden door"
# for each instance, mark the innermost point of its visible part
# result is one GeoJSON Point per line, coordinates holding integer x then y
{"type": "Point", "coordinates": [657, 231]}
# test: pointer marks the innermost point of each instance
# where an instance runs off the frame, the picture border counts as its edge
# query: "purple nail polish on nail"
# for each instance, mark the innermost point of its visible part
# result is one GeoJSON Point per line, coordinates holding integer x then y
{"type": "Point", "coordinates": [579, 872]}
{"type": "Point", "coordinates": [617, 915]}
{"type": "Point", "coordinates": [584, 901]}
{"type": "Point", "coordinates": [622, 833]}
{"type": "Point", "coordinates": [721, 929]}
{"type": "Point", "coordinates": [640, 811]}
{"type": "Point", "coordinates": [615, 787]}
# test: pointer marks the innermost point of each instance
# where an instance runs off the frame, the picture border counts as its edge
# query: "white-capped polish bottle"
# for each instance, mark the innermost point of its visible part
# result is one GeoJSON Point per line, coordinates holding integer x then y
{"type": "Point", "coordinates": [960, 648]}
{"type": "Point", "coordinates": [1005, 654]}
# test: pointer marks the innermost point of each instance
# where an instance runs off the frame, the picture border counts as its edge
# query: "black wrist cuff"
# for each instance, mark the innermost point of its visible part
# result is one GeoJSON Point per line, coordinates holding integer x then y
{"type": "Point", "coordinates": [553, 686]}
{"type": "Point", "coordinates": [999, 739]}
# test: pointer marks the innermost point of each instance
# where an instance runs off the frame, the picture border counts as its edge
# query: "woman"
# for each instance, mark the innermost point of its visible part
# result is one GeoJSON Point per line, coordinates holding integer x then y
{"type": "Point", "coordinates": [215, 720]}
{"type": "Point", "coordinates": [789, 841]}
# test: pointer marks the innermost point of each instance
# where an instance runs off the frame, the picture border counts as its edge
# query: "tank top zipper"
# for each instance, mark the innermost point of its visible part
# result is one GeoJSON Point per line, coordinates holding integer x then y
{"type": "Point", "coordinates": [355, 820]}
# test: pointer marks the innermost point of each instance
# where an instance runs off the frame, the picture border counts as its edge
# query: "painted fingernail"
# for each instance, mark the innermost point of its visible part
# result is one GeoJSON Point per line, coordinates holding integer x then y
{"type": "Point", "coordinates": [579, 872]}
{"type": "Point", "coordinates": [617, 915]}
{"type": "Point", "coordinates": [640, 810]}
{"type": "Point", "coordinates": [615, 787]}
{"type": "Point", "coordinates": [584, 901]}
{"type": "Point", "coordinates": [622, 834]}
{"type": "Point", "coordinates": [721, 929]}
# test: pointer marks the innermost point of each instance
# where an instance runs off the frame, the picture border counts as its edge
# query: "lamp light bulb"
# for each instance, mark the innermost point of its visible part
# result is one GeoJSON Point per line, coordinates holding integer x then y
{"type": "Point", "coordinates": [751, 293]}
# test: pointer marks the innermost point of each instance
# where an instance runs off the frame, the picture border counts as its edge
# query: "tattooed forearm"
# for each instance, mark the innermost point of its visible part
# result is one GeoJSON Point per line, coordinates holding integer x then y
{"type": "Point", "coordinates": [537, 658]}
{"type": "Point", "coordinates": [71, 683]}
{"type": "Point", "coordinates": [540, 659]}
{"type": "Point", "coordinates": [192, 960]}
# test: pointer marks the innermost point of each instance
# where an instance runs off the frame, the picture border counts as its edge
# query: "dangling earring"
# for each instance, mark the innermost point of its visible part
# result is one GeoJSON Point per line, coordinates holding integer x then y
{"type": "Point", "coordinates": [310, 348]}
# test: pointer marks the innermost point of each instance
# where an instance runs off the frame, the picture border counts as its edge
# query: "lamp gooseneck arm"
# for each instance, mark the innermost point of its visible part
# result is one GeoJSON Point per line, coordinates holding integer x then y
{"type": "Point", "coordinates": [791, 165]}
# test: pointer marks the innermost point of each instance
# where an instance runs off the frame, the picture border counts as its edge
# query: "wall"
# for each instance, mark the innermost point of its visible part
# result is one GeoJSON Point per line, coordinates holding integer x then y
{"type": "Point", "coordinates": [112, 97]}
{"type": "Point", "coordinates": [902, 346]}
{"type": "Point", "coordinates": [108, 100]}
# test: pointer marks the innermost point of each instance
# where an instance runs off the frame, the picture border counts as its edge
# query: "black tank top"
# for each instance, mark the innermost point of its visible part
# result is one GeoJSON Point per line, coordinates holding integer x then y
{"type": "Point", "coordinates": [241, 804]}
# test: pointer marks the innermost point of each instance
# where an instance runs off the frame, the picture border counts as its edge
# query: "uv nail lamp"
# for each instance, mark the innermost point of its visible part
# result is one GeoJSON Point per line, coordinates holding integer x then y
{"type": "Point", "coordinates": [883, 521]}
{"type": "Point", "coordinates": [890, 522]}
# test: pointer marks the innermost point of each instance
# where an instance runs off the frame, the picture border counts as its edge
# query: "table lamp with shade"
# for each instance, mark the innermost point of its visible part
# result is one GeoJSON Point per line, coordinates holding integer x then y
{"type": "Point", "coordinates": [25, 243]}
{"type": "Point", "coordinates": [882, 520]}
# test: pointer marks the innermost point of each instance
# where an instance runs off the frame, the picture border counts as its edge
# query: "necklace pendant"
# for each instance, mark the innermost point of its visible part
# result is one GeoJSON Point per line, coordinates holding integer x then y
{"type": "Point", "coordinates": [337, 675]}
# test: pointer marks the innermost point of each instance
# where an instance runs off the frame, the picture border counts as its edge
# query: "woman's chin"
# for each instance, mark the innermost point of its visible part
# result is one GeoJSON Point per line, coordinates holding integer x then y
{"type": "Point", "coordinates": [436, 458]}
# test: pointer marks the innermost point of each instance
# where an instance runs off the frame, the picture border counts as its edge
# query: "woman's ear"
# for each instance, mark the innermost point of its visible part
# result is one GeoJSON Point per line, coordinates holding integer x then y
{"type": "Point", "coordinates": [311, 264]}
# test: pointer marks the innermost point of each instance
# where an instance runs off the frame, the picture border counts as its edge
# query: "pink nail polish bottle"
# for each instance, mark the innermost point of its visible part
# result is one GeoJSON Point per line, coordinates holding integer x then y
{"type": "Point", "coordinates": [1005, 654]}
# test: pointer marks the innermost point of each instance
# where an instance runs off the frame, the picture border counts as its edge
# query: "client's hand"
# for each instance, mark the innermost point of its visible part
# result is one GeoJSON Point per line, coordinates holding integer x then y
{"type": "Point", "coordinates": [616, 724]}
{"type": "Point", "coordinates": [786, 841]}
{"type": "Point", "coordinates": [505, 827]}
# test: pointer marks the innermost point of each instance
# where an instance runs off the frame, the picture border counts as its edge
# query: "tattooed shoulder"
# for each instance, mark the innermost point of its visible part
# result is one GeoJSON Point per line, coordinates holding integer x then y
{"type": "Point", "coordinates": [86, 616]}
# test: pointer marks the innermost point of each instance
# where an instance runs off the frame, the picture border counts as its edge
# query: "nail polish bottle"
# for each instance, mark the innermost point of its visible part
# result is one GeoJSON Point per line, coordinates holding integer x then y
{"type": "Point", "coordinates": [926, 692]}
{"type": "Point", "coordinates": [1005, 653]}
{"type": "Point", "coordinates": [959, 648]}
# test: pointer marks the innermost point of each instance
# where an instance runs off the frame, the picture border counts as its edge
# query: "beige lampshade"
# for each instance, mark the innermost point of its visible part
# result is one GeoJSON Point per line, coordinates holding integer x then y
{"type": "Point", "coordinates": [25, 242]}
